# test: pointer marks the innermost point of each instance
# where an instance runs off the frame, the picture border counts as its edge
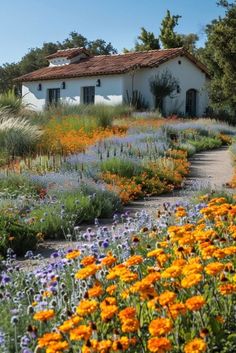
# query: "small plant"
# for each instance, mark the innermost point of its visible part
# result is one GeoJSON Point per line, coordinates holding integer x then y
{"type": "Point", "coordinates": [162, 86]}
{"type": "Point", "coordinates": [136, 100]}
{"type": "Point", "coordinates": [11, 102]}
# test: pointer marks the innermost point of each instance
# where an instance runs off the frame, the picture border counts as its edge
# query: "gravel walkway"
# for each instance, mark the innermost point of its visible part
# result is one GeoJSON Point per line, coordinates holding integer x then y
{"type": "Point", "coordinates": [211, 169]}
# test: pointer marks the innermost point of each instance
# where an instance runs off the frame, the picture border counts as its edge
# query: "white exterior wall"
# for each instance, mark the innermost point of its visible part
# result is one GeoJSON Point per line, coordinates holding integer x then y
{"type": "Point", "coordinates": [188, 75]}
{"type": "Point", "coordinates": [110, 92]}
{"type": "Point", "coordinates": [113, 89]}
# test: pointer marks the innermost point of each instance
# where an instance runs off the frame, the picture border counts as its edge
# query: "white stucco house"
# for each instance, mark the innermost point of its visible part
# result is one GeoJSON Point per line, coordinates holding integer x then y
{"type": "Point", "coordinates": [74, 76]}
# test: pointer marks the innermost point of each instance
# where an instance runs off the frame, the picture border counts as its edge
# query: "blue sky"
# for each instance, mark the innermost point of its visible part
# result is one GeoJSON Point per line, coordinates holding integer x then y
{"type": "Point", "coordinates": [27, 24]}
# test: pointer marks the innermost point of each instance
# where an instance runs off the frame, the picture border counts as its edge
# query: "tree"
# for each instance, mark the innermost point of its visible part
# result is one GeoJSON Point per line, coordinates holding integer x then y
{"type": "Point", "coordinates": [146, 41]}
{"type": "Point", "coordinates": [168, 37]}
{"type": "Point", "coordinates": [219, 55]}
{"type": "Point", "coordinates": [188, 41]}
{"type": "Point", "coordinates": [162, 86]}
{"type": "Point", "coordinates": [36, 57]}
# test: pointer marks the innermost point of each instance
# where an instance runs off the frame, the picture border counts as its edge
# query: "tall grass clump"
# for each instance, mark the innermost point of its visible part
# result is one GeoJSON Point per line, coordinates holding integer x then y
{"type": "Point", "coordinates": [122, 167]}
{"type": "Point", "coordinates": [17, 136]}
{"type": "Point", "coordinates": [11, 102]}
{"type": "Point", "coordinates": [103, 114]}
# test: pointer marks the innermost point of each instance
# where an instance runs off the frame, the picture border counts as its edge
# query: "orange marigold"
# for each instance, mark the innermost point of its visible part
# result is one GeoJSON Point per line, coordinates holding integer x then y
{"type": "Point", "coordinates": [133, 260]}
{"type": "Point", "coordinates": [86, 307]}
{"type": "Point", "coordinates": [195, 303]}
{"type": "Point", "coordinates": [191, 280]}
{"type": "Point", "coordinates": [197, 345]}
{"type": "Point", "coordinates": [214, 268]}
{"type": "Point", "coordinates": [44, 315]}
{"type": "Point", "coordinates": [81, 332]}
{"type": "Point", "coordinates": [73, 254]}
{"type": "Point", "coordinates": [159, 345]}
{"type": "Point", "coordinates": [167, 298]}
{"type": "Point", "coordinates": [88, 260]}
{"type": "Point", "coordinates": [49, 337]}
{"type": "Point", "coordinates": [160, 326]}
{"type": "Point", "coordinates": [87, 271]}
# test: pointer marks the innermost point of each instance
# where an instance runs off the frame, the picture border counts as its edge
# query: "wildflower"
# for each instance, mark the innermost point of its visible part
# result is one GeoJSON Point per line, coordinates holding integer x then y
{"type": "Point", "coordinates": [172, 272]}
{"type": "Point", "coordinates": [95, 291]}
{"type": "Point", "coordinates": [49, 337]}
{"type": "Point", "coordinates": [134, 260]}
{"type": "Point", "coordinates": [214, 268]}
{"type": "Point", "coordinates": [81, 332]}
{"type": "Point", "coordinates": [167, 298]}
{"type": "Point", "coordinates": [160, 326]}
{"type": "Point", "coordinates": [86, 307]}
{"type": "Point", "coordinates": [159, 345]}
{"type": "Point", "coordinates": [104, 346]}
{"type": "Point", "coordinates": [73, 255]}
{"type": "Point", "coordinates": [88, 260]}
{"type": "Point", "coordinates": [197, 345]}
{"type": "Point", "coordinates": [177, 310]}
{"type": "Point", "coordinates": [108, 312]}
{"type": "Point", "coordinates": [127, 313]}
{"type": "Point", "coordinates": [86, 272]}
{"type": "Point", "coordinates": [227, 289]}
{"type": "Point", "coordinates": [55, 347]}
{"type": "Point", "coordinates": [108, 260]}
{"type": "Point", "coordinates": [111, 289]}
{"type": "Point", "coordinates": [195, 303]}
{"type": "Point", "coordinates": [44, 315]}
{"type": "Point", "coordinates": [130, 325]}
{"type": "Point", "coordinates": [191, 280]}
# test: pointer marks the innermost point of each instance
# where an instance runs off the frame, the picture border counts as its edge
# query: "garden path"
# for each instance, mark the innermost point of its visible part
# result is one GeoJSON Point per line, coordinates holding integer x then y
{"type": "Point", "coordinates": [211, 170]}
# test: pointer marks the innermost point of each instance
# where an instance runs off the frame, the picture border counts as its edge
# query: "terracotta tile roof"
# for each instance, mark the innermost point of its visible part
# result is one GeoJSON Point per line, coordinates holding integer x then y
{"type": "Point", "coordinates": [68, 53]}
{"type": "Point", "coordinates": [109, 65]}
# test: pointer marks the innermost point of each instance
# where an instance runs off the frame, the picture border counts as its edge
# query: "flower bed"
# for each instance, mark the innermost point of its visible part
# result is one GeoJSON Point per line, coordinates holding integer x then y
{"type": "Point", "coordinates": [171, 289]}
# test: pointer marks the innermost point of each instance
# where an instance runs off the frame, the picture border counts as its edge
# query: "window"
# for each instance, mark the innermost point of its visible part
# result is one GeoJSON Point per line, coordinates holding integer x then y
{"type": "Point", "coordinates": [53, 95]}
{"type": "Point", "coordinates": [89, 95]}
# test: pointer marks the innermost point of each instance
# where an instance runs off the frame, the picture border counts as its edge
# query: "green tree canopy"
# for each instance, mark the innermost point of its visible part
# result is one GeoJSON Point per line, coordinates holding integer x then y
{"type": "Point", "coordinates": [219, 55]}
{"type": "Point", "coordinates": [169, 38]}
{"type": "Point", "coordinates": [35, 58]}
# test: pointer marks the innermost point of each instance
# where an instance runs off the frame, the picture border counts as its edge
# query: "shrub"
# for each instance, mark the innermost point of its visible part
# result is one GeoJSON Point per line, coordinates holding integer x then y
{"type": "Point", "coordinates": [122, 167]}
{"type": "Point", "coordinates": [17, 136]}
{"type": "Point", "coordinates": [11, 102]}
{"type": "Point", "coordinates": [16, 235]}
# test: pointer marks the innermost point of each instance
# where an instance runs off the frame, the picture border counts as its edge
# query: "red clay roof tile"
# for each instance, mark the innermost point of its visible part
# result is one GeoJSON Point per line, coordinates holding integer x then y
{"type": "Point", "coordinates": [109, 65]}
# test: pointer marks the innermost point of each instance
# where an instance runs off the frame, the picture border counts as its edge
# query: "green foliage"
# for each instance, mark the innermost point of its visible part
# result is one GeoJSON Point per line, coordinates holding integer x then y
{"type": "Point", "coordinates": [168, 37]}
{"type": "Point", "coordinates": [16, 235]}
{"type": "Point", "coordinates": [122, 167]}
{"type": "Point", "coordinates": [11, 102]}
{"type": "Point", "coordinates": [99, 115]}
{"type": "Point", "coordinates": [146, 41]}
{"type": "Point", "coordinates": [13, 185]}
{"type": "Point", "coordinates": [36, 57]}
{"type": "Point", "coordinates": [162, 86]}
{"type": "Point", "coordinates": [136, 100]}
{"type": "Point", "coordinates": [18, 137]}
{"type": "Point", "coordinates": [219, 55]}
{"type": "Point", "coordinates": [206, 143]}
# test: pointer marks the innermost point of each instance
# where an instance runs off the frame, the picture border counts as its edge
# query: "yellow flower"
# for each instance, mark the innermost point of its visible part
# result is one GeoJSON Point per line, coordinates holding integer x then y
{"type": "Point", "coordinates": [160, 326]}
{"type": "Point", "coordinates": [197, 345]}
{"type": "Point", "coordinates": [56, 347]}
{"type": "Point", "coordinates": [172, 272]}
{"type": "Point", "coordinates": [159, 345]}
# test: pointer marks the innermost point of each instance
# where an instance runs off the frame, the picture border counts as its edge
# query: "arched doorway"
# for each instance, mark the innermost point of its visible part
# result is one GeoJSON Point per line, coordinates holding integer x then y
{"type": "Point", "coordinates": [191, 102]}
